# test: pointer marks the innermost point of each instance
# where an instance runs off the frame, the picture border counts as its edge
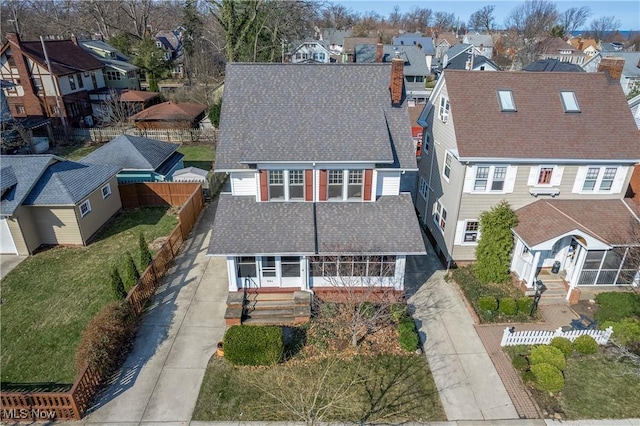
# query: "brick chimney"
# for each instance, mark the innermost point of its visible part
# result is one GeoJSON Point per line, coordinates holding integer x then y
{"type": "Point", "coordinates": [612, 67]}
{"type": "Point", "coordinates": [396, 86]}
{"type": "Point", "coordinates": [379, 53]}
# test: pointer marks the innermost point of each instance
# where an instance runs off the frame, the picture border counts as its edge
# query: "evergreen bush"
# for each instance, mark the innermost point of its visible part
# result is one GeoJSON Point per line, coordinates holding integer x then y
{"type": "Point", "coordinates": [117, 285]}
{"type": "Point", "coordinates": [524, 305]}
{"type": "Point", "coordinates": [585, 344]}
{"type": "Point", "coordinates": [131, 274]}
{"type": "Point", "coordinates": [398, 311]}
{"type": "Point", "coordinates": [544, 354]}
{"type": "Point", "coordinates": [254, 345]}
{"type": "Point", "coordinates": [508, 307]}
{"type": "Point", "coordinates": [145, 254]}
{"type": "Point", "coordinates": [547, 377]}
{"type": "Point", "coordinates": [563, 344]}
{"type": "Point", "coordinates": [493, 253]}
{"type": "Point", "coordinates": [520, 363]}
{"type": "Point", "coordinates": [488, 304]}
{"type": "Point", "coordinates": [408, 335]}
{"type": "Point", "coordinates": [625, 331]}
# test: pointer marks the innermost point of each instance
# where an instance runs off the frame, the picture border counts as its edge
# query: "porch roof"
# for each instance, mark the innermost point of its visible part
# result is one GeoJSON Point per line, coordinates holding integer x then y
{"type": "Point", "coordinates": [243, 226]}
{"type": "Point", "coordinates": [611, 221]}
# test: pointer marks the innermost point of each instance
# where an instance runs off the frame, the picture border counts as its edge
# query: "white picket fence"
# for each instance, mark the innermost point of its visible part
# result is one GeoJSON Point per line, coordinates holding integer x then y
{"type": "Point", "coordinates": [540, 337]}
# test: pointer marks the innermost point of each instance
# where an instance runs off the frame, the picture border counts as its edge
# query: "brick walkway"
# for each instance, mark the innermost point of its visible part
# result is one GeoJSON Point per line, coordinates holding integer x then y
{"type": "Point", "coordinates": [554, 316]}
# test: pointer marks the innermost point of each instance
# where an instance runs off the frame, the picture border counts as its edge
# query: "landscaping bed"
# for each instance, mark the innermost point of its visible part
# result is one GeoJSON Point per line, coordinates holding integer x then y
{"type": "Point", "coordinates": [322, 376]}
{"type": "Point", "coordinates": [50, 297]}
{"type": "Point", "coordinates": [494, 302]}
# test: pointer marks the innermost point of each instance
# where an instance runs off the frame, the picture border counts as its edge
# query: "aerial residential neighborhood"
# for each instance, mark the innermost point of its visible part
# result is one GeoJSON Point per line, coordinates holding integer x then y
{"type": "Point", "coordinates": [320, 212]}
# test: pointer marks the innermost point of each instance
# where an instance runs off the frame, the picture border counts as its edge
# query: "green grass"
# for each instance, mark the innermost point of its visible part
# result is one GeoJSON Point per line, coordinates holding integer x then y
{"type": "Point", "coordinates": [369, 389]}
{"type": "Point", "coordinates": [598, 386]}
{"type": "Point", "coordinates": [50, 297]}
{"type": "Point", "coordinates": [74, 152]}
{"type": "Point", "coordinates": [201, 156]}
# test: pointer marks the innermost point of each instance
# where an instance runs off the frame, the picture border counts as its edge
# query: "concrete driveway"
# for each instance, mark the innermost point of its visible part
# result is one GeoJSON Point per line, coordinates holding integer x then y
{"type": "Point", "coordinates": [8, 262]}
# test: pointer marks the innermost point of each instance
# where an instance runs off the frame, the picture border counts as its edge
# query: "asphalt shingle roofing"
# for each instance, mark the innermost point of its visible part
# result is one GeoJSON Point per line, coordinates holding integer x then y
{"type": "Point", "coordinates": [68, 182]}
{"type": "Point", "coordinates": [132, 153]}
{"type": "Point", "coordinates": [604, 128]}
{"type": "Point", "coordinates": [64, 56]}
{"type": "Point", "coordinates": [311, 113]}
{"type": "Point", "coordinates": [244, 227]}
{"type": "Point", "coordinates": [27, 170]}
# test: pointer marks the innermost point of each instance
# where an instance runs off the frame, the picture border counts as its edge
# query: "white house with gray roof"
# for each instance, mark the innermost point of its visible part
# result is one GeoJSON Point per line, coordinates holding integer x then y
{"type": "Point", "coordinates": [319, 171]}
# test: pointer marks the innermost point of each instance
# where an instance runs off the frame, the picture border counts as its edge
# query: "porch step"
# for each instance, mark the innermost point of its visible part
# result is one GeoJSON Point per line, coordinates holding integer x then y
{"type": "Point", "coordinates": [269, 320]}
{"type": "Point", "coordinates": [261, 311]}
{"type": "Point", "coordinates": [270, 297]}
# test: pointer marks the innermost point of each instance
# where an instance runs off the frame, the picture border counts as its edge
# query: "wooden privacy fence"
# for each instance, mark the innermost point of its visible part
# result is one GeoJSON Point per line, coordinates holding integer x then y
{"type": "Point", "coordinates": [105, 134]}
{"type": "Point", "coordinates": [150, 194]}
{"type": "Point", "coordinates": [72, 404]}
{"type": "Point", "coordinates": [539, 337]}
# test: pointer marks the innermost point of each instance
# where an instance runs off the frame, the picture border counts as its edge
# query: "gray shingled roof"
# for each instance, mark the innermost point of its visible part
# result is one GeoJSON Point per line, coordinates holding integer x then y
{"type": "Point", "coordinates": [414, 59]}
{"type": "Point", "coordinates": [460, 62]}
{"type": "Point", "coordinates": [7, 178]}
{"type": "Point", "coordinates": [631, 61]}
{"type": "Point", "coordinates": [409, 39]}
{"type": "Point", "coordinates": [245, 227]}
{"type": "Point", "coordinates": [552, 65]}
{"type": "Point", "coordinates": [68, 182]}
{"type": "Point", "coordinates": [27, 170]}
{"type": "Point", "coordinates": [311, 113]}
{"type": "Point", "coordinates": [132, 153]}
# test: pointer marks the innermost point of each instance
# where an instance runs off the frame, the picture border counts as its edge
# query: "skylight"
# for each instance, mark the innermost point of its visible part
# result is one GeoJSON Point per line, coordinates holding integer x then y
{"type": "Point", "coordinates": [569, 102]}
{"type": "Point", "coordinates": [506, 100]}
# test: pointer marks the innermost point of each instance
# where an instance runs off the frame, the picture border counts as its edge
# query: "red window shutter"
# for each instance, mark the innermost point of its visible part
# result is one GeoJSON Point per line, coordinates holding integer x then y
{"type": "Point", "coordinates": [308, 185]}
{"type": "Point", "coordinates": [323, 185]}
{"type": "Point", "coordinates": [264, 186]}
{"type": "Point", "coordinates": [368, 178]}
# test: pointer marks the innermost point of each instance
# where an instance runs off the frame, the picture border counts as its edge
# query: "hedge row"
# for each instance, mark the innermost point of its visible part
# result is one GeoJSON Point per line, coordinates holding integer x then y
{"type": "Point", "coordinates": [254, 345]}
{"type": "Point", "coordinates": [505, 306]}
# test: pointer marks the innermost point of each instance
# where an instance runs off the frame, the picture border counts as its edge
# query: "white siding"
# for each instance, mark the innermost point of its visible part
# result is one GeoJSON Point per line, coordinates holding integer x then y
{"type": "Point", "coordinates": [244, 183]}
{"type": "Point", "coordinates": [388, 183]}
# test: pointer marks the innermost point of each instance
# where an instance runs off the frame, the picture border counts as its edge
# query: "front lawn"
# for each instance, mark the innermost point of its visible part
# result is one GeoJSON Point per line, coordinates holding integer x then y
{"type": "Point", "coordinates": [604, 385]}
{"type": "Point", "coordinates": [362, 388]}
{"type": "Point", "coordinates": [201, 156]}
{"type": "Point", "coordinates": [50, 297]}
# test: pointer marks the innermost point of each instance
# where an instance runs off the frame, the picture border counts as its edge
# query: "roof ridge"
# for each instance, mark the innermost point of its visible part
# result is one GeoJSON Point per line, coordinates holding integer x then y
{"type": "Point", "coordinates": [576, 222]}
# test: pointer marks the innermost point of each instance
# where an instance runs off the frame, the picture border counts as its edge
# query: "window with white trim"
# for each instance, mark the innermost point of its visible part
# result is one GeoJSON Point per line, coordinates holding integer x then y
{"type": "Point", "coordinates": [599, 178]}
{"type": "Point", "coordinates": [423, 188]}
{"type": "Point", "coordinates": [106, 191]}
{"type": "Point", "coordinates": [499, 174]}
{"type": "Point", "coordinates": [443, 111]}
{"type": "Point", "coordinates": [356, 266]}
{"type": "Point", "coordinates": [296, 184]}
{"type": "Point", "coordinates": [72, 83]}
{"type": "Point", "coordinates": [471, 231]}
{"type": "Point", "coordinates": [482, 177]}
{"type": "Point", "coordinates": [85, 208]}
{"type": "Point", "coordinates": [354, 187]}
{"type": "Point", "coordinates": [489, 178]}
{"type": "Point", "coordinates": [427, 142]}
{"type": "Point", "coordinates": [276, 185]}
{"type": "Point", "coordinates": [335, 184]}
{"type": "Point", "coordinates": [439, 215]}
{"type": "Point", "coordinates": [447, 166]}
{"type": "Point", "coordinates": [544, 176]}
{"type": "Point", "coordinates": [506, 101]}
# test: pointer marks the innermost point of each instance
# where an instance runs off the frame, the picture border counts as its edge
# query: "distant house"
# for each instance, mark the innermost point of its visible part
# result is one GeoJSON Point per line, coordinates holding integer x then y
{"type": "Point", "coordinates": [482, 42]}
{"type": "Point", "coordinates": [443, 43]}
{"type": "Point", "coordinates": [627, 62]}
{"type": "Point", "coordinates": [349, 48]}
{"type": "Point", "coordinates": [552, 65]}
{"type": "Point", "coordinates": [557, 48]}
{"type": "Point", "coordinates": [415, 39]}
{"type": "Point", "coordinates": [588, 46]}
{"type": "Point", "coordinates": [171, 43]}
{"type": "Point", "coordinates": [170, 115]}
{"type": "Point", "coordinates": [37, 92]}
{"type": "Point", "coordinates": [312, 51]}
{"type": "Point", "coordinates": [464, 56]}
{"type": "Point", "coordinates": [119, 73]}
{"type": "Point", "coordinates": [138, 100]}
{"type": "Point", "coordinates": [335, 39]}
{"type": "Point", "coordinates": [138, 159]}
{"type": "Point", "coordinates": [47, 200]}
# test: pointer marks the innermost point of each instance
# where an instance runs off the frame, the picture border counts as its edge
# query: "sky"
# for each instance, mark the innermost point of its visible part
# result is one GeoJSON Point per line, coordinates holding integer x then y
{"type": "Point", "coordinates": [626, 11]}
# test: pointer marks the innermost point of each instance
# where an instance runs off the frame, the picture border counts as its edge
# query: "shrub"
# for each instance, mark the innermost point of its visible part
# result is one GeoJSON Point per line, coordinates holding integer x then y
{"type": "Point", "coordinates": [585, 344]}
{"type": "Point", "coordinates": [117, 285]}
{"type": "Point", "coordinates": [524, 305]}
{"type": "Point", "coordinates": [253, 345]}
{"type": "Point", "coordinates": [367, 310]}
{"type": "Point", "coordinates": [107, 338]}
{"type": "Point", "coordinates": [520, 363]}
{"type": "Point", "coordinates": [508, 307]}
{"type": "Point", "coordinates": [131, 274]}
{"type": "Point", "coordinates": [625, 331]}
{"type": "Point", "coordinates": [544, 354]}
{"type": "Point", "coordinates": [145, 254]}
{"type": "Point", "coordinates": [398, 311]}
{"type": "Point", "coordinates": [528, 376]}
{"type": "Point", "coordinates": [329, 309]}
{"type": "Point", "coordinates": [493, 253]}
{"type": "Point", "coordinates": [615, 306]}
{"type": "Point", "coordinates": [547, 377]}
{"type": "Point", "coordinates": [408, 335]}
{"type": "Point", "coordinates": [488, 303]}
{"type": "Point", "coordinates": [563, 344]}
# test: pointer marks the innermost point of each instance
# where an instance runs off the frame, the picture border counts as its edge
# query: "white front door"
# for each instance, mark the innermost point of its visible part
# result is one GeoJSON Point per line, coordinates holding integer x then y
{"type": "Point", "coordinates": [268, 272]}
{"type": "Point", "coordinates": [7, 246]}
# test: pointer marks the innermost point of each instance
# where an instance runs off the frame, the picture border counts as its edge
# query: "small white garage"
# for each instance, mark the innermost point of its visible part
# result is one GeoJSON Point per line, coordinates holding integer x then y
{"type": "Point", "coordinates": [192, 174]}
{"type": "Point", "coordinates": [7, 246]}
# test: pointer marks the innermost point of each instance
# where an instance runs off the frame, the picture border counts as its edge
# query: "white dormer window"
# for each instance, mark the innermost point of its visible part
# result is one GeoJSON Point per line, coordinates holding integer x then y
{"type": "Point", "coordinates": [506, 100]}
{"type": "Point", "coordinates": [443, 111]}
{"type": "Point", "coordinates": [569, 102]}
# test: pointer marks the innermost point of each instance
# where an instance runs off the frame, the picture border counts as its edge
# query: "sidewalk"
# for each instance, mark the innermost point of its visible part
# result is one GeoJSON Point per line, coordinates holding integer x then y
{"type": "Point", "coordinates": [160, 380]}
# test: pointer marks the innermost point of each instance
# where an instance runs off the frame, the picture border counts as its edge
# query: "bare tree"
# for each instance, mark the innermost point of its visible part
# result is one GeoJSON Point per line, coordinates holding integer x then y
{"type": "Point", "coordinates": [113, 111]}
{"type": "Point", "coordinates": [483, 19]}
{"type": "Point", "coordinates": [573, 18]}
{"type": "Point", "coordinates": [337, 16]}
{"type": "Point", "coordinates": [395, 17]}
{"type": "Point", "coordinates": [363, 289]}
{"type": "Point", "coordinates": [417, 19]}
{"type": "Point", "coordinates": [444, 21]}
{"type": "Point", "coordinates": [602, 25]}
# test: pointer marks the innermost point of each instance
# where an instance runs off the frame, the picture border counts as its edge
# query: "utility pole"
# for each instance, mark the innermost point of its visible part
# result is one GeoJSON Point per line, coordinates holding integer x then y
{"type": "Point", "coordinates": [55, 88]}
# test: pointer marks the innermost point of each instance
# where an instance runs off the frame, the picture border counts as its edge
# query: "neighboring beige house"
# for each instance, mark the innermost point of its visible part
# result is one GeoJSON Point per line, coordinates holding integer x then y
{"type": "Point", "coordinates": [47, 200]}
{"type": "Point", "coordinates": [557, 48]}
{"type": "Point", "coordinates": [552, 144]}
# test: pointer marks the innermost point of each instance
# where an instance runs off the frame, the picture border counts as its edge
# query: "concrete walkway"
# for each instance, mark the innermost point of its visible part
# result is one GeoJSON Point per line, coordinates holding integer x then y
{"type": "Point", "coordinates": [161, 378]}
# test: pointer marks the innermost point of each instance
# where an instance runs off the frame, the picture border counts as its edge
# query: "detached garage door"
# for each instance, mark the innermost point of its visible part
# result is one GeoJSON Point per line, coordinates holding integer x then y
{"type": "Point", "coordinates": [7, 245]}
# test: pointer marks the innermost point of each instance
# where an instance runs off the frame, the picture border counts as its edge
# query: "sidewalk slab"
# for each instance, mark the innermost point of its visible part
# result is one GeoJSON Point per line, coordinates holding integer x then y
{"type": "Point", "coordinates": [174, 396]}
